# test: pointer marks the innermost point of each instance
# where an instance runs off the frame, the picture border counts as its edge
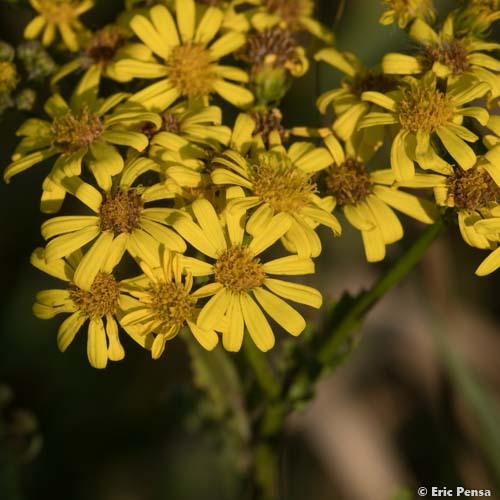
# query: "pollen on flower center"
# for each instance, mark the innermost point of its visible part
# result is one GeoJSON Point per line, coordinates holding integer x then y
{"type": "Point", "coordinates": [8, 76]}
{"type": "Point", "coordinates": [451, 53]}
{"type": "Point", "coordinates": [190, 70]}
{"type": "Point", "coordinates": [121, 212]}
{"type": "Point", "coordinates": [472, 189]}
{"type": "Point", "coordinates": [74, 131]}
{"type": "Point", "coordinates": [425, 109]}
{"type": "Point", "coordinates": [102, 298]}
{"type": "Point", "coordinates": [102, 47]}
{"type": "Point", "coordinates": [59, 11]}
{"type": "Point", "coordinates": [348, 182]}
{"type": "Point", "coordinates": [278, 182]}
{"type": "Point", "coordinates": [238, 270]}
{"type": "Point", "coordinates": [172, 303]}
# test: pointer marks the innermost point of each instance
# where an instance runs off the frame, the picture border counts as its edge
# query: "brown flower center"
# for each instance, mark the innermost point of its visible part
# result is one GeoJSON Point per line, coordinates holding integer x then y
{"type": "Point", "coordinates": [472, 189]}
{"type": "Point", "coordinates": [424, 108]}
{"type": "Point", "coordinates": [102, 47]}
{"type": "Point", "coordinates": [169, 123]}
{"type": "Point", "coordinates": [451, 53]}
{"type": "Point", "coordinates": [371, 80]}
{"type": "Point", "coordinates": [238, 270]}
{"type": "Point", "coordinates": [348, 182]}
{"type": "Point", "coordinates": [102, 298]}
{"type": "Point", "coordinates": [272, 48]}
{"type": "Point", "coordinates": [266, 121]}
{"type": "Point", "coordinates": [172, 304]}
{"type": "Point", "coordinates": [278, 182]}
{"type": "Point", "coordinates": [74, 131]}
{"type": "Point", "coordinates": [291, 11]}
{"type": "Point", "coordinates": [121, 212]}
{"type": "Point", "coordinates": [190, 70]}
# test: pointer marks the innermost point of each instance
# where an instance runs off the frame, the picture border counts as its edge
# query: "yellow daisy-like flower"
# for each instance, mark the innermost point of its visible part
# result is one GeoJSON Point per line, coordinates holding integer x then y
{"type": "Point", "coordinates": [120, 221]}
{"type": "Point", "coordinates": [421, 114]}
{"type": "Point", "coordinates": [295, 15]}
{"type": "Point", "coordinates": [164, 303]}
{"type": "Point", "coordinates": [405, 11]}
{"type": "Point", "coordinates": [346, 101]}
{"type": "Point", "coordinates": [193, 123]}
{"type": "Point", "coordinates": [188, 55]}
{"type": "Point", "coordinates": [83, 131]}
{"type": "Point", "coordinates": [448, 55]}
{"type": "Point", "coordinates": [368, 200]}
{"type": "Point", "coordinates": [61, 15]}
{"type": "Point", "coordinates": [102, 50]}
{"type": "Point", "coordinates": [281, 182]}
{"type": "Point", "coordinates": [188, 169]}
{"type": "Point", "coordinates": [240, 278]}
{"type": "Point", "coordinates": [474, 195]}
{"type": "Point", "coordinates": [97, 302]}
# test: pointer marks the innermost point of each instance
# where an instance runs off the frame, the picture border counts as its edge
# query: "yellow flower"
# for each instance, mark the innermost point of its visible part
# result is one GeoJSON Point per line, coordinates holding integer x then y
{"type": "Point", "coordinates": [346, 101]}
{"type": "Point", "coordinates": [164, 303]}
{"type": "Point", "coordinates": [101, 52]}
{"type": "Point", "coordinates": [421, 114]}
{"type": "Point", "coordinates": [240, 278]}
{"type": "Point", "coordinates": [295, 15]}
{"type": "Point", "coordinates": [100, 300]}
{"type": "Point", "coordinates": [474, 196]}
{"type": "Point", "coordinates": [368, 199]}
{"type": "Point", "coordinates": [187, 123]}
{"type": "Point", "coordinates": [405, 11]}
{"type": "Point", "coordinates": [85, 131]}
{"type": "Point", "coordinates": [281, 182]}
{"type": "Point", "coordinates": [188, 57]}
{"type": "Point", "coordinates": [61, 15]}
{"type": "Point", "coordinates": [188, 169]}
{"type": "Point", "coordinates": [448, 55]}
{"type": "Point", "coordinates": [120, 221]}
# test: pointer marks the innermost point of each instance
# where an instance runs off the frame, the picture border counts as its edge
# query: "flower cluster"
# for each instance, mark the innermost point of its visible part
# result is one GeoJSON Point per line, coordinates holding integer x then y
{"type": "Point", "coordinates": [186, 225]}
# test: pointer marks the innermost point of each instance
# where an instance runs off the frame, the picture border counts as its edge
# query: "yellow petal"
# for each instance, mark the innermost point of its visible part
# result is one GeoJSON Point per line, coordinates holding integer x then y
{"type": "Point", "coordinates": [232, 337]}
{"type": "Point", "coordinates": [214, 310]}
{"type": "Point", "coordinates": [115, 349]}
{"type": "Point", "coordinates": [93, 261]}
{"type": "Point", "coordinates": [209, 25]}
{"type": "Point", "coordinates": [402, 165]}
{"type": "Point", "coordinates": [208, 339]}
{"type": "Point", "coordinates": [277, 227]}
{"type": "Point", "coordinates": [210, 224]}
{"type": "Point", "coordinates": [186, 17]}
{"type": "Point", "coordinates": [256, 323]}
{"type": "Point", "coordinates": [97, 350]}
{"type": "Point", "coordinates": [285, 315]}
{"type": "Point", "coordinates": [68, 329]}
{"type": "Point", "coordinates": [68, 243]}
{"type": "Point", "coordinates": [290, 265]}
{"type": "Point", "coordinates": [490, 264]}
{"type": "Point", "coordinates": [295, 291]}
{"type": "Point", "coordinates": [458, 149]}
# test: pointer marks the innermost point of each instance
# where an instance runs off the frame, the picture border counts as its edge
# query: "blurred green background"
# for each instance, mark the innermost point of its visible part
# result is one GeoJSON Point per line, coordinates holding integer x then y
{"type": "Point", "coordinates": [416, 405]}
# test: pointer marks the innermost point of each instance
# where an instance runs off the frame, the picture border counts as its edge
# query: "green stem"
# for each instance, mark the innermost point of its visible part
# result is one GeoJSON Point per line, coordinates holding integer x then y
{"type": "Point", "coordinates": [262, 369]}
{"type": "Point", "coordinates": [341, 328]}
